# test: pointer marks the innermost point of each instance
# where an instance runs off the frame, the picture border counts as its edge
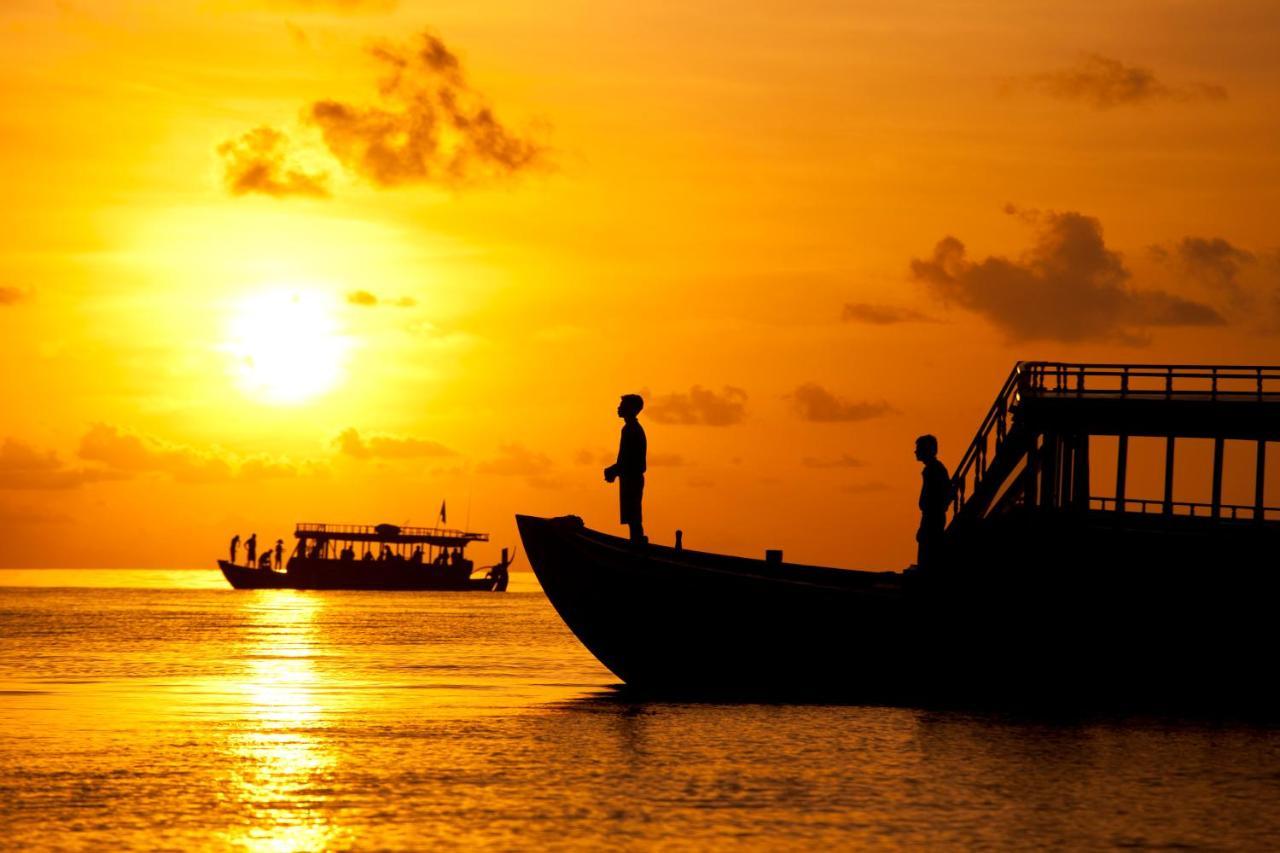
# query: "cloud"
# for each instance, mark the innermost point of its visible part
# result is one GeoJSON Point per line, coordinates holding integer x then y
{"type": "Point", "coordinates": [368, 300]}
{"type": "Point", "coordinates": [815, 403]}
{"type": "Point", "coordinates": [516, 460]}
{"type": "Point", "coordinates": [13, 295]}
{"type": "Point", "coordinates": [342, 7]}
{"type": "Point", "coordinates": [1104, 83]}
{"type": "Point", "coordinates": [1067, 287]}
{"type": "Point", "coordinates": [700, 406]}
{"type": "Point", "coordinates": [867, 488]}
{"type": "Point", "coordinates": [260, 161]}
{"type": "Point", "coordinates": [351, 443]}
{"type": "Point", "coordinates": [14, 514]}
{"type": "Point", "coordinates": [23, 466]}
{"type": "Point", "coordinates": [844, 460]}
{"type": "Point", "coordinates": [882, 315]}
{"type": "Point", "coordinates": [128, 454]}
{"type": "Point", "coordinates": [431, 128]}
{"type": "Point", "coordinates": [1214, 262]}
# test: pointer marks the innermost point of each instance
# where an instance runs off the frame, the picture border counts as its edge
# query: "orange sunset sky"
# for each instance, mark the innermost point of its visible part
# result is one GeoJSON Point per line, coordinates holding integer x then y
{"type": "Point", "coordinates": [265, 261]}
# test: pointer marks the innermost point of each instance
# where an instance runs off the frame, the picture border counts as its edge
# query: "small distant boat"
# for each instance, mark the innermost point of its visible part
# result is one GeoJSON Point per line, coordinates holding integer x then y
{"type": "Point", "coordinates": [375, 557]}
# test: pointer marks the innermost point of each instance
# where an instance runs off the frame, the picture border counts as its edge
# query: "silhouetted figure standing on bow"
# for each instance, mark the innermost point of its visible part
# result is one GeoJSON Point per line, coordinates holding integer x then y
{"type": "Point", "coordinates": [279, 553]}
{"type": "Point", "coordinates": [235, 546]}
{"type": "Point", "coordinates": [629, 470]}
{"type": "Point", "coordinates": [935, 496]}
{"type": "Point", "coordinates": [251, 548]}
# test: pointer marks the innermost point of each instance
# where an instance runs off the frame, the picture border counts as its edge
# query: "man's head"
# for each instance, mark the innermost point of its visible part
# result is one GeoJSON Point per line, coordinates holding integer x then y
{"type": "Point", "coordinates": [630, 405]}
{"type": "Point", "coordinates": [926, 448]}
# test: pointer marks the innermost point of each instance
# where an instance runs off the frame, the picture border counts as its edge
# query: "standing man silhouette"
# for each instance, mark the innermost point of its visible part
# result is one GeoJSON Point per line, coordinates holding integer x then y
{"type": "Point", "coordinates": [629, 470]}
{"type": "Point", "coordinates": [279, 553]}
{"type": "Point", "coordinates": [235, 544]}
{"type": "Point", "coordinates": [251, 549]}
{"type": "Point", "coordinates": [935, 495]}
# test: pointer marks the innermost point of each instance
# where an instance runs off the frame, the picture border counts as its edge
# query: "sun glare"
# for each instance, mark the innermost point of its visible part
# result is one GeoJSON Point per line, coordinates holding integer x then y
{"type": "Point", "coordinates": [287, 345]}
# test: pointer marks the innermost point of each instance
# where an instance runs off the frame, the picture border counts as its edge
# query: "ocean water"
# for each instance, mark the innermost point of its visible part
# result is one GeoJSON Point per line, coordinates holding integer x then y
{"type": "Point", "coordinates": [162, 710]}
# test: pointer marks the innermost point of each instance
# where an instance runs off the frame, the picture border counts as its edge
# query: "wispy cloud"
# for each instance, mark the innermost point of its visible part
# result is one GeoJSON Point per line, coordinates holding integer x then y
{"type": "Point", "coordinates": [1104, 83]}
{"type": "Point", "coordinates": [882, 315]}
{"type": "Point", "coordinates": [366, 299]}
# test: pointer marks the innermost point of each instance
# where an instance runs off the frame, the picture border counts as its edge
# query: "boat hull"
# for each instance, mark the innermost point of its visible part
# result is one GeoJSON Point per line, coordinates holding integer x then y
{"type": "Point", "coordinates": [680, 623]}
{"type": "Point", "coordinates": [357, 576]}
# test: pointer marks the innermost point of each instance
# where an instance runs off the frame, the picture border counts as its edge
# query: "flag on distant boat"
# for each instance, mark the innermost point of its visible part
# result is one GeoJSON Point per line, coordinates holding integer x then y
{"type": "Point", "coordinates": [444, 518]}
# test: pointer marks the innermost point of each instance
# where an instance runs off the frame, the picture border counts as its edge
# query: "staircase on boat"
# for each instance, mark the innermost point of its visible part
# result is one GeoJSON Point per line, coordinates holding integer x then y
{"type": "Point", "coordinates": [1032, 450]}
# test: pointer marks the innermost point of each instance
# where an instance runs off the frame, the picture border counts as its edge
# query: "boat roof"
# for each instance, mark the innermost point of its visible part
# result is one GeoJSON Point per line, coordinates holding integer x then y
{"type": "Point", "coordinates": [387, 533]}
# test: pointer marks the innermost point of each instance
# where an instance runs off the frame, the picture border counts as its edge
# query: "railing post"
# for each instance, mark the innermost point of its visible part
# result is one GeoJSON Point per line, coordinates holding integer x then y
{"type": "Point", "coordinates": [1216, 509]}
{"type": "Point", "coordinates": [1168, 475]}
{"type": "Point", "coordinates": [1260, 481]}
{"type": "Point", "coordinates": [1122, 465]}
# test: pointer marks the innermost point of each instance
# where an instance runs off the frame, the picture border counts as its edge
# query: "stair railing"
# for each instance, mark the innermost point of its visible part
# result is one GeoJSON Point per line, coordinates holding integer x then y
{"type": "Point", "coordinates": [972, 467]}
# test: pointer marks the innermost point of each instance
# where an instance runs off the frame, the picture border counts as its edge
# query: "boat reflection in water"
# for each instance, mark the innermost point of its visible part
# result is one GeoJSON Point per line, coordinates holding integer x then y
{"type": "Point", "coordinates": [279, 751]}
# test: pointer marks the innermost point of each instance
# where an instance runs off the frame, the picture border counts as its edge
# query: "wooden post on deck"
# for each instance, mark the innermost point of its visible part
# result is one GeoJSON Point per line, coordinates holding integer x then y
{"type": "Point", "coordinates": [1049, 470]}
{"type": "Point", "coordinates": [1260, 481]}
{"type": "Point", "coordinates": [1168, 475]}
{"type": "Point", "coordinates": [1216, 510]}
{"type": "Point", "coordinates": [1080, 479]}
{"type": "Point", "coordinates": [1122, 466]}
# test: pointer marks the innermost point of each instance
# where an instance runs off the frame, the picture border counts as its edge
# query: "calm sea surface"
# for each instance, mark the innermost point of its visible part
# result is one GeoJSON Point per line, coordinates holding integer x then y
{"type": "Point", "coordinates": [175, 713]}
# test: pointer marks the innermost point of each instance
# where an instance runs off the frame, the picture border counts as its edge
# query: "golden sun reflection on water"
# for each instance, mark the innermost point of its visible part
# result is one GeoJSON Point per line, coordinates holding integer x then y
{"type": "Point", "coordinates": [280, 757]}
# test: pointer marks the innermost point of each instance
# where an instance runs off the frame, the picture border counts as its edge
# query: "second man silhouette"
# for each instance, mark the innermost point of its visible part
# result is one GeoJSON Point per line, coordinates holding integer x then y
{"type": "Point", "coordinates": [629, 470]}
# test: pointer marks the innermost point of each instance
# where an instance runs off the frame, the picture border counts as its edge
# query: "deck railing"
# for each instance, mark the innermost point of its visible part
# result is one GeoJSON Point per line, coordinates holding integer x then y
{"type": "Point", "coordinates": [1193, 509]}
{"type": "Point", "coordinates": [1235, 383]}
{"type": "Point", "coordinates": [1147, 381]}
{"type": "Point", "coordinates": [337, 531]}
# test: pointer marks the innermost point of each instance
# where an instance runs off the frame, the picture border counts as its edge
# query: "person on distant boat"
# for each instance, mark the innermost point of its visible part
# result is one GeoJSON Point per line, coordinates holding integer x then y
{"type": "Point", "coordinates": [935, 496]}
{"type": "Point", "coordinates": [235, 546]}
{"type": "Point", "coordinates": [264, 562]}
{"type": "Point", "coordinates": [279, 553]}
{"type": "Point", "coordinates": [629, 469]}
{"type": "Point", "coordinates": [251, 548]}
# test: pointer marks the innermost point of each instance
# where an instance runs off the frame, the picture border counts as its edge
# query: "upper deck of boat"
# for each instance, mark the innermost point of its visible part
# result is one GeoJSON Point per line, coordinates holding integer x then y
{"type": "Point", "coordinates": [388, 533]}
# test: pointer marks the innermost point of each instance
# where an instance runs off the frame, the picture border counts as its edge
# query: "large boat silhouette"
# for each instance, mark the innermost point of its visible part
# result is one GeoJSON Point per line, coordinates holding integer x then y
{"type": "Point", "coordinates": [378, 557]}
{"type": "Point", "coordinates": [1048, 591]}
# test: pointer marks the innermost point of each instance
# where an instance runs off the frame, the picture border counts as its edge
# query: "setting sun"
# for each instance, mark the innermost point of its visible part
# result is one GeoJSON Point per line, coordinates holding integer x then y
{"type": "Point", "coordinates": [286, 345]}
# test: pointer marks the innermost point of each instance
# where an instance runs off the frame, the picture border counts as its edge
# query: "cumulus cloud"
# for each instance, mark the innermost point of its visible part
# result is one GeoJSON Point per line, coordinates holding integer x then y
{"type": "Point", "coordinates": [351, 443]}
{"type": "Point", "coordinates": [128, 454]}
{"type": "Point", "coordinates": [23, 466]}
{"type": "Point", "coordinates": [1104, 83]}
{"type": "Point", "coordinates": [13, 295]}
{"type": "Point", "coordinates": [260, 161]}
{"type": "Point", "coordinates": [700, 406]}
{"type": "Point", "coordinates": [366, 299]}
{"type": "Point", "coordinates": [844, 460]}
{"type": "Point", "coordinates": [882, 315]}
{"type": "Point", "coordinates": [815, 403]}
{"type": "Point", "coordinates": [1067, 287]}
{"type": "Point", "coordinates": [431, 126]}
